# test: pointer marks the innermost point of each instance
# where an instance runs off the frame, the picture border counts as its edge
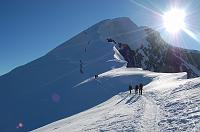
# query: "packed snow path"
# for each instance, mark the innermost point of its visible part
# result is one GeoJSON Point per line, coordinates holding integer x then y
{"type": "Point", "coordinates": [169, 103]}
{"type": "Point", "coordinates": [150, 114]}
{"type": "Point", "coordinates": [118, 114]}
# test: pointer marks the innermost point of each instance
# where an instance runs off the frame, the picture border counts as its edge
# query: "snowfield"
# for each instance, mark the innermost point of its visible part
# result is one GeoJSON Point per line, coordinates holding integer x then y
{"type": "Point", "coordinates": [169, 103]}
{"type": "Point", "coordinates": [61, 84]}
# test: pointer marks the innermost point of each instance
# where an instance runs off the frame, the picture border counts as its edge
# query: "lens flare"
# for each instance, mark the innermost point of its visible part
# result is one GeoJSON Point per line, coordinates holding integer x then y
{"type": "Point", "coordinates": [174, 20]}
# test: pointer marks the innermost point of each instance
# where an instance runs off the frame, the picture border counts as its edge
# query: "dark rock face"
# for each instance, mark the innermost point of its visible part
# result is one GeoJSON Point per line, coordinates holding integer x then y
{"type": "Point", "coordinates": [158, 56]}
{"type": "Point", "coordinates": [128, 54]}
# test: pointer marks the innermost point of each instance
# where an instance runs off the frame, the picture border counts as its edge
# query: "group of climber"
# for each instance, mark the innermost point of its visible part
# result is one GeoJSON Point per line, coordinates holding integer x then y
{"type": "Point", "coordinates": [137, 88]}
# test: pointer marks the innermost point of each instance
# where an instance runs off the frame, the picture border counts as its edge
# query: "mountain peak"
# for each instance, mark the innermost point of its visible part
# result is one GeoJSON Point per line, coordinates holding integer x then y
{"type": "Point", "coordinates": [116, 26]}
{"type": "Point", "coordinates": [121, 29]}
{"type": "Point", "coordinates": [118, 20]}
{"type": "Point", "coordinates": [122, 20]}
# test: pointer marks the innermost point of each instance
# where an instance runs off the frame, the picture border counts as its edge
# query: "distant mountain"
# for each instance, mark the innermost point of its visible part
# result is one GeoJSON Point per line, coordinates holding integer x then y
{"type": "Point", "coordinates": [44, 90]}
{"type": "Point", "coordinates": [156, 55]}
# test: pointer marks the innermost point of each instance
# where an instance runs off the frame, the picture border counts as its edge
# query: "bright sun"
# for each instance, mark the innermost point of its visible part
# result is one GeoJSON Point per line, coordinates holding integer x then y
{"type": "Point", "coordinates": [174, 20]}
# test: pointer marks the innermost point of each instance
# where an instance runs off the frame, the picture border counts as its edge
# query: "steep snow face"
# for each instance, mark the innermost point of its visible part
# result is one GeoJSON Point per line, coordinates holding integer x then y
{"type": "Point", "coordinates": [45, 87]}
{"type": "Point", "coordinates": [169, 102]}
{"type": "Point", "coordinates": [47, 84]}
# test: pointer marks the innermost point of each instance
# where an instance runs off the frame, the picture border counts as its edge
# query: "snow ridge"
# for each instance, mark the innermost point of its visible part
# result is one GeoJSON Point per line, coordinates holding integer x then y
{"type": "Point", "coordinates": [169, 103]}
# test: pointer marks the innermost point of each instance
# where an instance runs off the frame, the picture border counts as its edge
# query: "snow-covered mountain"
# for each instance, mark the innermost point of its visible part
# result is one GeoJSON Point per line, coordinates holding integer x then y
{"type": "Point", "coordinates": [32, 92]}
{"type": "Point", "coordinates": [50, 88]}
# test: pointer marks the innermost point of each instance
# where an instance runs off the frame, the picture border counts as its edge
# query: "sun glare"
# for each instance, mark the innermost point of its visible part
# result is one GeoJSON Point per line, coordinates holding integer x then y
{"type": "Point", "coordinates": [174, 20]}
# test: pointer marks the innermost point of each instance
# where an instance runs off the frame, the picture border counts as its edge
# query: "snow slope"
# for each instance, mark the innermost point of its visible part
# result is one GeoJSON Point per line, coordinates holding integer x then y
{"type": "Point", "coordinates": [47, 84]}
{"type": "Point", "coordinates": [169, 103]}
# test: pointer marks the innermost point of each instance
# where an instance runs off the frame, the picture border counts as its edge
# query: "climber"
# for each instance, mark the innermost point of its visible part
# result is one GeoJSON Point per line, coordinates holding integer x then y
{"type": "Point", "coordinates": [136, 89]}
{"type": "Point", "coordinates": [95, 76]}
{"type": "Point", "coordinates": [81, 67]}
{"type": "Point", "coordinates": [130, 88]}
{"type": "Point", "coordinates": [140, 88]}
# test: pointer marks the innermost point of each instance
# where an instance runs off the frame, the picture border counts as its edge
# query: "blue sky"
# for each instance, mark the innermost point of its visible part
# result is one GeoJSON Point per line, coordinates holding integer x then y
{"type": "Point", "coordinates": [31, 28]}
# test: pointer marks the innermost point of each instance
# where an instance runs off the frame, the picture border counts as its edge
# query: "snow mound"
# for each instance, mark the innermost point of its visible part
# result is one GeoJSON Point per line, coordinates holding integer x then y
{"type": "Point", "coordinates": [169, 103]}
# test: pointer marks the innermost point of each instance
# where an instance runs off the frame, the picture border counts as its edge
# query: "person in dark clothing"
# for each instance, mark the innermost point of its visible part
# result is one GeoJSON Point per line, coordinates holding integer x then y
{"type": "Point", "coordinates": [136, 89]}
{"type": "Point", "coordinates": [130, 88]}
{"type": "Point", "coordinates": [140, 88]}
{"type": "Point", "coordinates": [95, 76]}
{"type": "Point", "coordinates": [81, 67]}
